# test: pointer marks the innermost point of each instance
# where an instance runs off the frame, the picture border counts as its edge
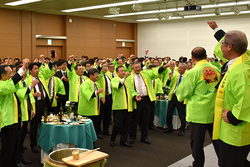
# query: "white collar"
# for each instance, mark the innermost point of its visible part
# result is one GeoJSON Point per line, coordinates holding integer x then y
{"type": "Point", "coordinates": [231, 62]}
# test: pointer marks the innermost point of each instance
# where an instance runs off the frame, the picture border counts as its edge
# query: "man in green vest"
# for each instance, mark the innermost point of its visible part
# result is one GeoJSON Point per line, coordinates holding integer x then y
{"type": "Point", "coordinates": [141, 82]}
{"type": "Point", "coordinates": [173, 82]}
{"type": "Point", "coordinates": [56, 92]}
{"type": "Point", "coordinates": [122, 107]}
{"type": "Point", "coordinates": [105, 109]}
{"type": "Point", "coordinates": [198, 88]}
{"type": "Point", "coordinates": [232, 118]}
{"type": "Point", "coordinates": [76, 78]}
{"type": "Point", "coordinates": [90, 98]}
{"type": "Point", "coordinates": [10, 114]}
{"type": "Point", "coordinates": [27, 113]}
{"type": "Point", "coordinates": [157, 85]}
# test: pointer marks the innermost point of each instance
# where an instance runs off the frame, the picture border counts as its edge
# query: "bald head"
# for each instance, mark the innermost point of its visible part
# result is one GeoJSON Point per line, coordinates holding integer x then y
{"type": "Point", "coordinates": [238, 39]}
{"type": "Point", "coordinates": [199, 53]}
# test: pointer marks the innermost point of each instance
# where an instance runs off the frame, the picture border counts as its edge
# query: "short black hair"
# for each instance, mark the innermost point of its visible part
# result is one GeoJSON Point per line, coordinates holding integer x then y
{"type": "Point", "coordinates": [86, 63]}
{"type": "Point", "coordinates": [92, 71]}
{"type": "Point", "coordinates": [12, 66]}
{"type": "Point", "coordinates": [91, 61]}
{"type": "Point", "coordinates": [60, 62]}
{"type": "Point", "coordinates": [151, 66]}
{"type": "Point", "coordinates": [110, 64]}
{"type": "Point", "coordinates": [31, 65]}
{"type": "Point", "coordinates": [18, 67]}
{"type": "Point", "coordinates": [17, 59]}
{"type": "Point", "coordinates": [5, 59]}
{"type": "Point", "coordinates": [117, 68]}
{"type": "Point", "coordinates": [199, 53]}
{"type": "Point", "coordinates": [18, 63]}
{"type": "Point", "coordinates": [77, 66]}
{"type": "Point", "coordinates": [47, 58]}
{"type": "Point", "coordinates": [2, 70]}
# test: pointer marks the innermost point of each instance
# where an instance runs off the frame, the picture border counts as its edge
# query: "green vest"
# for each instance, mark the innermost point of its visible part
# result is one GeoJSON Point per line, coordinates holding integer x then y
{"type": "Point", "coordinates": [122, 98]}
{"type": "Point", "coordinates": [88, 106]}
{"type": "Point", "coordinates": [58, 89]}
{"type": "Point", "coordinates": [102, 83]}
{"type": "Point", "coordinates": [24, 104]}
{"type": "Point", "coordinates": [236, 100]}
{"type": "Point", "coordinates": [158, 86]}
{"type": "Point", "coordinates": [74, 82]}
{"type": "Point", "coordinates": [198, 87]}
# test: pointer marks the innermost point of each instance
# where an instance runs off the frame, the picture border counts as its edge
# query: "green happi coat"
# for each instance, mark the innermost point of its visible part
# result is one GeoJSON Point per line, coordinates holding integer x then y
{"type": "Point", "coordinates": [8, 103]}
{"type": "Point", "coordinates": [88, 105]}
{"type": "Point", "coordinates": [198, 89]}
{"type": "Point", "coordinates": [172, 85]}
{"type": "Point", "coordinates": [158, 86]}
{"type": "Point", "coordinates": [74, 81]}
{"type": "Point", "coordinates": [102, 83]}
{"type": "Point", "coordinates": [24, 104]}
{"type": "Point", "coordinates": [122, 99]}
{"type": "Point", "coordinates": [58, 89]}
{"type": "Point", "coordinates": [236, 99]}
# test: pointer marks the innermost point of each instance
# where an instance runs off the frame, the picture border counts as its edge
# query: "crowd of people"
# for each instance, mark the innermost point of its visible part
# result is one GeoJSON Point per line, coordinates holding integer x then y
{"type": "Point", "coordinates": [209, 93]}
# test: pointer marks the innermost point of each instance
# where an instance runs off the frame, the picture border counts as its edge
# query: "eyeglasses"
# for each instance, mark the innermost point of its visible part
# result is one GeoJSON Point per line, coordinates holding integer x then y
{"type": "Point", "coordinates": [221, 42]}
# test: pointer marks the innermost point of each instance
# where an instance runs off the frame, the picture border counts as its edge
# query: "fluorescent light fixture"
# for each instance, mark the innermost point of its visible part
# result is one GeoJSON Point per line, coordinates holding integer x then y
{"type": "Point", "coordinates": [244, 12]}
{"type": "Point", "coordinates": [202, 15]}
{"type": "Point", "coordinates": [146, 12]}
{"type": "Point", "coordinates": [225, 4]}
{"type": "Point", "coordinates": [153, 19]}
{"type": "Point", "coordinates": [108, 5]}
{"type": "Point", "coordinates": [21, 2]}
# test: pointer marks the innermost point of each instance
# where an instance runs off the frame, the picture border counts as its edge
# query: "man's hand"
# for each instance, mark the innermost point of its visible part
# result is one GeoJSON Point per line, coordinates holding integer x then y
{"type": "Point", "coordinates": [36, 61]}
{"type": "Point", "coordinates": [41, 58]}
{"type": "Point", "coordinates": [170, 75]}
{"type": "Point", "coordinates": [33, 113]}
{"type": "Point", "coordinates": [126, 74]}
{"type": "Point", "coordinates": [63, 77]}
{"type": "Point", "coordinates": [71, 58]}
{"type": "Point", "coordinates": [166, 65]}
{"type": "Point", "coordinates": [103, 100]}
{"type": "Point", "coordinates": [75, 57]}
{"type": "Point", "coordinates": [56, 97]}
{"type": "Point", "coordinates": [37, 94]}
{"type": "Point", "coordinates": [157, 98]}
{"type": "Point", "coordinates": [147, 63]}
{"type": "Point", "coordinates": [138, 98]}
{"type": "Point", "coordinates": [212, 24]}
{"type": "Point", "coordinates": [25, 63]}
{"type": "Point", "coordinates": [99, 91]}
{"type": "Point", "coordinates": [34, 82]}
{"type": "Point", "coordinates": [224, 115]}
{"type": "Point", "coordinates": [104, 61]}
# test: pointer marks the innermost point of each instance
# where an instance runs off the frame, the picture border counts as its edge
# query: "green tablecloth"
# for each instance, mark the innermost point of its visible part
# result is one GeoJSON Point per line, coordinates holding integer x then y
{"type": "Point", "coordinates": [82, 135]}
{"type": "Point", "coordinates": [161, 107]}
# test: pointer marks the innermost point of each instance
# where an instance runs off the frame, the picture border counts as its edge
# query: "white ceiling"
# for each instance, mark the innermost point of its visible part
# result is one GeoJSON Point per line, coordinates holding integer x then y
{"type": "Point", "coordinates": [55, 7]}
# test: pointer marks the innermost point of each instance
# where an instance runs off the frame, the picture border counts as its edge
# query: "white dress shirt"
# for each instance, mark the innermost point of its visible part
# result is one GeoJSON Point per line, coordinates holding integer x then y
{"type": "Point", "coordinates": [37, 89]}
{"type": "Point", "coordinates": [144, 88]}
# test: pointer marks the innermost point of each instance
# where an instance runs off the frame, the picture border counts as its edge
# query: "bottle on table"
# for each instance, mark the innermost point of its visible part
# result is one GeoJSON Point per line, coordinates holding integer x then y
{"type": "Point", "coordinates": [46, 115]}
{"type": "Point", "coordinates": [60, 113]}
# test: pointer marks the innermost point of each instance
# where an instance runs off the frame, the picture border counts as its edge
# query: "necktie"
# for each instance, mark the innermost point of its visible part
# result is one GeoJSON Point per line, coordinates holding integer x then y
{"type": "Point", "coordinates": [81, 80]}
{"type": "Point", "coordinates": [40, 89]}
{"type": "Point", "coordinates": [113, 75]}
{"type": "Point", "coordinates": [97, 96]}
{"type": "Point", "coordinates": [223, 72]}
{"type": "Point", "coordinates": [172, 71]}
{"type": "Point", "coordinates": [140, 85]}
{"type": "Point", "coordinates": [28, 99]}
{"type": "Point", "coordinates": [179, 81]}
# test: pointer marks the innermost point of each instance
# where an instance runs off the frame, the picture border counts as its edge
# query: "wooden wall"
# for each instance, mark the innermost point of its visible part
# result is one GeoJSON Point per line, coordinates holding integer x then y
{"type": "Point", "coordinates": [85, 36]}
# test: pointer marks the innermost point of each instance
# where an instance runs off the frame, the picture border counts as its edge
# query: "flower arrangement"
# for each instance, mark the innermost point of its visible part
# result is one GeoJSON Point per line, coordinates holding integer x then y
{"type": "Point", "coordinates": [69, 107]}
